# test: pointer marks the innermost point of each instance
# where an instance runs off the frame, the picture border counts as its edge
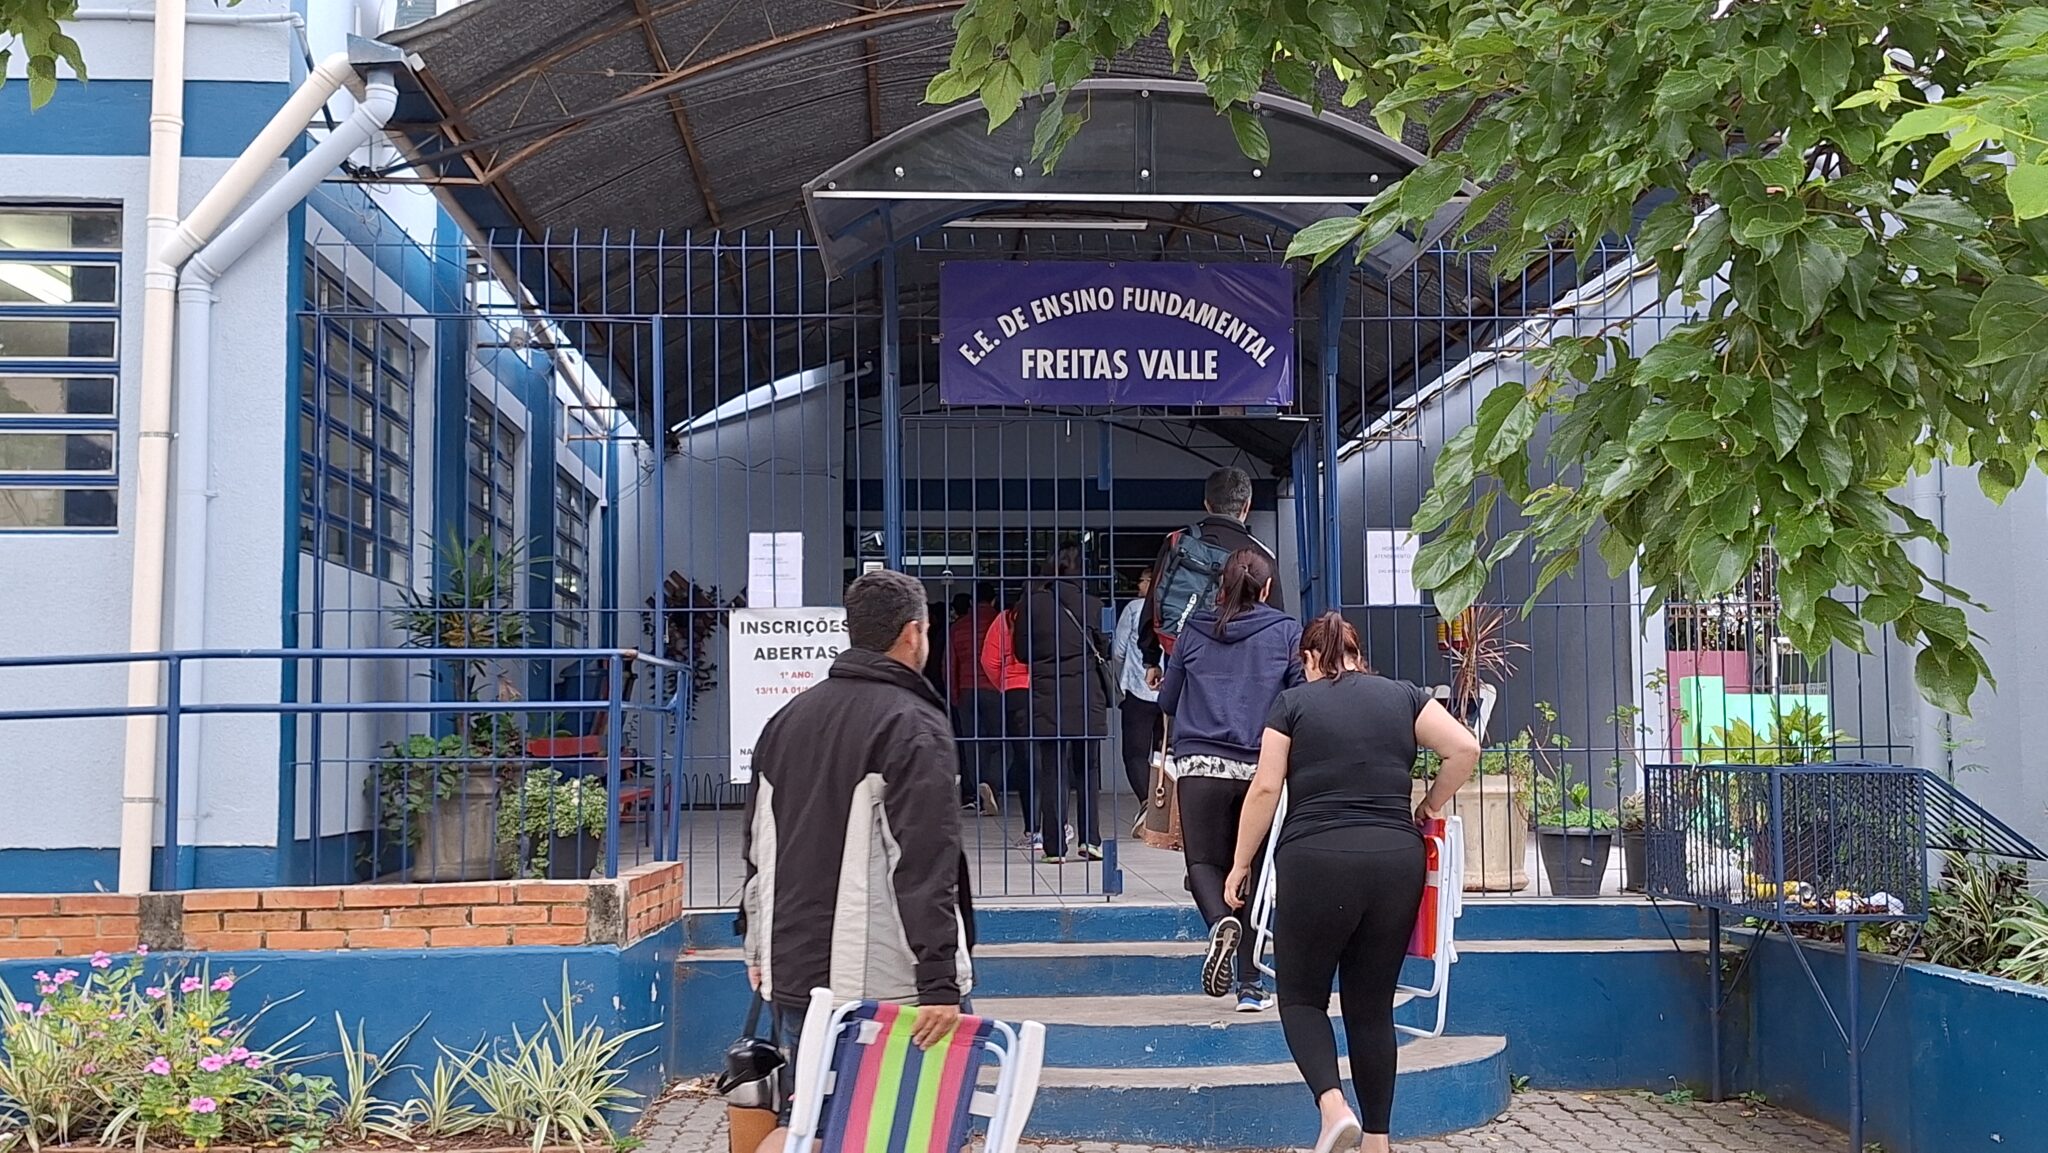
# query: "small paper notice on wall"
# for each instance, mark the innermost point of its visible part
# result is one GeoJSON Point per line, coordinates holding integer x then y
{"type": "Point", "coordinates": [775, 570]}
{"type": "Point", "coordinates": [1390, 567]}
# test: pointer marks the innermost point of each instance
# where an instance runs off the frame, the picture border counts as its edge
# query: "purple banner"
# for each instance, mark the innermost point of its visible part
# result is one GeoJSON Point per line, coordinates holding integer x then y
{"type": "Point", "coordinates": [1073, 332]}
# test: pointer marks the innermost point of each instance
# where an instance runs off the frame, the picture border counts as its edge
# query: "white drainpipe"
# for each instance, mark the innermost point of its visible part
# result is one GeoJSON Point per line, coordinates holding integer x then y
{"type": "Point", "coordinates": [171, 243]}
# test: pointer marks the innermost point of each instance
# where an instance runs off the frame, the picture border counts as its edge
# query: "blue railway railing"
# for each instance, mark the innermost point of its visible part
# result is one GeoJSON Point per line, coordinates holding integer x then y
{"type": "Point", "coordinates": [644, 786]}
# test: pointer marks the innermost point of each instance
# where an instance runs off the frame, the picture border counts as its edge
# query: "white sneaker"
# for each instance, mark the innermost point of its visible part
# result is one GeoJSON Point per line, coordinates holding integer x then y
{"type": "Point", "coordinates": [1218, 965]}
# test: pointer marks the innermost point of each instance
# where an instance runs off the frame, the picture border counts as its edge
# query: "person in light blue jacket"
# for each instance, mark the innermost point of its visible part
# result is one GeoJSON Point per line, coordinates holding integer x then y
{"type": "Point", "coordinates": [1142, 722]}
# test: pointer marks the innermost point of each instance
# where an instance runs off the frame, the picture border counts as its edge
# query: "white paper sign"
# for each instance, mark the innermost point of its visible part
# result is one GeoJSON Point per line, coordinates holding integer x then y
{"type": "Point", "coordinates": [1390, 567]}
{"type": "Point", "coordinates": [775, 570]}
{"type": "Point", "coordinates": [771, 656]}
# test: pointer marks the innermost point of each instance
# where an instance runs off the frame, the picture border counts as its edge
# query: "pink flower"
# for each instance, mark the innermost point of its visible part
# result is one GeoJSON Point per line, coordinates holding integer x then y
{"type": "Point", "coordinates": [253, 1063]}
{"type": "Point", "coordinates": [88, 1069]}
{"type": "Point", "coordinates": [158, 1067]}
{"type": "Point", "coordinates": [202, 1105]}
{"type": "Point", "coordinates": [156, 992]}
{"type": "Point", "coordinates": [66, 976]}
{"type": "Point", "coordinates": [42, 1010]}
{"type": "Point", "coordinates": [41, 977]}
{"type": "Point", "coordinates": [142, 950]}
{"type": "Point", "coordinates": [191, 985]}
{"type": "Point", "coordinates": [238, 1054]}
{"type": "Point", "coordinates": [47, 990]}
{"type": "Point", "coordinates": [213, 1062]}
{"type": "Point", "coordinates": [117, 1015]}
{"type": "Point", "coordinates": [101, 960]}
{"type": "Point", "coordinates": [223, 983]}
{"type": "Point", "coordinates": [24, 1007]}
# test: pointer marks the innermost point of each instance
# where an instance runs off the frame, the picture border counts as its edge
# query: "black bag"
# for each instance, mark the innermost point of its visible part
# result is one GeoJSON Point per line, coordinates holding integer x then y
{"type": "Point", "coordinates": [752, 1078]}
{"type": "Point", "coordinates": [1187, 583]}
{"type": "Point", "coordinates": [1112, 692]}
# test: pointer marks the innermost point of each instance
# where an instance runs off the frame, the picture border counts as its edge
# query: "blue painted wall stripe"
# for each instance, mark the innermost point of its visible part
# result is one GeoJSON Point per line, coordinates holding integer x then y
{"type": "Point", "coordinates": [111, 117]}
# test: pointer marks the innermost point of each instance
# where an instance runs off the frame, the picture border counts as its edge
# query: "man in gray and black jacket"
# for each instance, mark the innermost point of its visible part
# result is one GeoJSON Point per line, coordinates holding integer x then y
{"type": "Point", "coordinates": [855, 876]}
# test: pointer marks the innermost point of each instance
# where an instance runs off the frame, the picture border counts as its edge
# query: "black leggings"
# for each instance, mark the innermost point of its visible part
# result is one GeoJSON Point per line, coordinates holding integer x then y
{"type": "Point", "coordinates": [1143, 725]}
{"type": "Point", "coordinates": [1346, 906]}
{"type": "Point", "coordinates": [1209, 812]}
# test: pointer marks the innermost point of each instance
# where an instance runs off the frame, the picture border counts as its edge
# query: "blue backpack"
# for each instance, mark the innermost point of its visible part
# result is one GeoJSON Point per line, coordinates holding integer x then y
{"type": "Point", "coordinates": [1186, 583]}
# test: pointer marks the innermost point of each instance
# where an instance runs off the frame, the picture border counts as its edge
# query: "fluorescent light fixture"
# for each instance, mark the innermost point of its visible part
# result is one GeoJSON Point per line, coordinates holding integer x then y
{"type": "Point", "coordinates": [767, 395]}
{"type": "Point", "coordinates": [1007, 223]}
{"type": "Point", "coordinates": [44, 286]}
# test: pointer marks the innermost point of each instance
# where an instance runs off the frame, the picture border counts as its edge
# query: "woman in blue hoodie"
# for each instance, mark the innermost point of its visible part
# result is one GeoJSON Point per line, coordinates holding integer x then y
{"type": "Point", "coordinates": [1229, 665]}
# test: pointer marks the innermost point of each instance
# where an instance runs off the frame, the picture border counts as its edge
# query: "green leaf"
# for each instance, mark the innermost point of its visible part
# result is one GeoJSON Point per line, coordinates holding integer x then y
{"type": "Point", "coordinates": [1758, 67]}
{"type": "Point", "coordinates": [1707, 251]}
{"type": "Point", "coordinates": [1665, 228]}
{"type": "Point", "coordinates": [1001, 93]}
{"type": "Point", "coordinates": [1325, 238]}
{"type": "Point", "coordinates": [1786, 422]}
{"type": "Point", "coordinates": [1715, 563]}
{"type": "Point", "coordinates": [1928, 250]}
{"type": "Point", "coordinates": [2027, 186]}
{"type": "Point", "coordinates": [1072, 62]}
{"type": "Point", "coordinates": [947, 87]}
{"type": "Point", "coordinates": [1823, 63]}
{"type": "Point", "coordinates": [1485, 147]}
{"type": "Point", "coordinates": [1943, 211]}
{"type": "Point", "coordinates": [1946, 678]}
{"type": "Point", "coordinates": [1338, 21]}
{"type": "Point", "coordinates": [1459, 592]}
{"type": "Point", "coordinates": [1664, 16]}
{"type": "Point", "coordinates": [1691, 425]}
{"type": "Point", "coordinates": [1997, 479]}
{"type": "Point", "coordinates": [1425, 190]}
{"type": "Point", "coordinates": [1441, 559]}
{"type": "Point", "coordinates": [1808, 270]}
{"type": "Point", "coordinates": [2010, 320]}
{"type": "Point", "coordinates": [1826, 460]}
{"type": "Point", "coordinates": [1251, 134]}
{"type": "Point", "coordinates": [1923, 122]}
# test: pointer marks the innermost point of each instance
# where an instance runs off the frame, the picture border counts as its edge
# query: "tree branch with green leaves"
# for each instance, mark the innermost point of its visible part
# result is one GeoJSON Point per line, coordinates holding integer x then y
{"type": "Point", "coordinates": [34, 30]}
{"type": "Point", "coordinates": [1852, 204]}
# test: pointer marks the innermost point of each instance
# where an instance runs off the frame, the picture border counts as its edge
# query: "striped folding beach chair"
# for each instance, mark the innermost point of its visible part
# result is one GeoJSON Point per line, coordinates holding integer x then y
{"type": "Point", "coordinates": [1434, 942]}
{"type": "Point", "coordinates": [863, 1087]}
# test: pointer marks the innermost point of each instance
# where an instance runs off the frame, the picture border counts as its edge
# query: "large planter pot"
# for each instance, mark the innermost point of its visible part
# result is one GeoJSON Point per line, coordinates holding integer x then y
{"type": "Point", "coordinates": [574, 858]}
{"type": "Point", "coordinates": [1575, 860]}
{"type": "Point", "coordinates": [1496, 833]}
{"type": "Point", "coordinates": [459, 836]}
{"type": "Point", "coordinates": [1635, 872]}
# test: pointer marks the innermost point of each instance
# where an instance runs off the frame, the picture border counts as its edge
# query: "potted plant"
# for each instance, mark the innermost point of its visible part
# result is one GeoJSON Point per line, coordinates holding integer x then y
{"type": "Point", "coordinates": [437, 793]}
{"type": "Point", "coordinates": [1574, 838]}
{"type": "Point", "coordinates": [1634, 859]}
{"type": "Point", "coordinates": [437, 796]}
{"type": "Point", "coordinates": [553, 828]}
{"type": "Point", "coordinates": [1494, 805]}
{"type": "Point", "coordinates": [1476, 644]}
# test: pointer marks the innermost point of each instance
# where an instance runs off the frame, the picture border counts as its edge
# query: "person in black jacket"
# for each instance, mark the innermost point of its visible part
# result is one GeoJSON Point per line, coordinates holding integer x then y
{"type": "Point", "coordinates": [1227, 499]}
{"type": "Point", "coordinates": [1060, 638]}
{"type": "Point", "coordinates": [855, 872]}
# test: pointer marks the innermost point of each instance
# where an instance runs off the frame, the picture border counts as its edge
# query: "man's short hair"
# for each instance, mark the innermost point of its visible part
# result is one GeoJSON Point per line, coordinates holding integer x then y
{"type": "Point", "coordinates": [1228, 491]}
{"type": "Point", "coordinates": [985, 593]}
{"type": "Point", "coordinates": [878, 605]}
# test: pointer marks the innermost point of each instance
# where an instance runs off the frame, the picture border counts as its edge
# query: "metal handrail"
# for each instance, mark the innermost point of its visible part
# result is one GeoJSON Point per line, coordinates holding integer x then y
{"type": "Point", "coordinates": [174, 709]}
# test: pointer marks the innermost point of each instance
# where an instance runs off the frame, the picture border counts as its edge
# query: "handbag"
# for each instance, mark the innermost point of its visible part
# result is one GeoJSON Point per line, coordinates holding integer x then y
{"type": "Point", "coordinates": [1112, 690]}
{"type": "Point", "coordinates": [1159, 824]}
{"type": "Point", "coordinates": [752, 1083]}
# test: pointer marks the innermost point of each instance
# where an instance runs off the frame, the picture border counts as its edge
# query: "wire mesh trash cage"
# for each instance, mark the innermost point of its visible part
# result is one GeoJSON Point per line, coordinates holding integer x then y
{"type": "Point", "coordinates": [1802, 843]}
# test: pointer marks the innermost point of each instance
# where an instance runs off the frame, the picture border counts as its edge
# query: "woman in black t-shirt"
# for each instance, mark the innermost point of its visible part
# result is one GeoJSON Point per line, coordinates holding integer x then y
{"type": "Point", "coordinates": [1349, 863]}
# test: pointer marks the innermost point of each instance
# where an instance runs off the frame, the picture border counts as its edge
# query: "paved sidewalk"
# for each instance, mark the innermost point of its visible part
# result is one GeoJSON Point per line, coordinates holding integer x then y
{"type": "Point", "coordinates": [1535, 1122]}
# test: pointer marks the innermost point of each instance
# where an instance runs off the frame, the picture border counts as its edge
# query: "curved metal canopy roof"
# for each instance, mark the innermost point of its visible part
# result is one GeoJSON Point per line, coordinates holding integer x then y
{"type": "Point", "coordinates": [625, 119]}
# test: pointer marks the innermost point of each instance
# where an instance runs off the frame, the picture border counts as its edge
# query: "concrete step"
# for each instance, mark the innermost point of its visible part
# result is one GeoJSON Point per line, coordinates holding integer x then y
{"type": "Point", "coordinates": [1175, 1031]}
{"type": "Point", "coordinates": [1486, 918]}
{"type": "Point", "coordinates": [1445, 1084]}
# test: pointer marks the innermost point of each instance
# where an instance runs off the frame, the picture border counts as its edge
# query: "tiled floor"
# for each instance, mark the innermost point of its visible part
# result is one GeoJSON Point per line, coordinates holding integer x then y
{"type": "Point", "coordinates": [690, 1122]}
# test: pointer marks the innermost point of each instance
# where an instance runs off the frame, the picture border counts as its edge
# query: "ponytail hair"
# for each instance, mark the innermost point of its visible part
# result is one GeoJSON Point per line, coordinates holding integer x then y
{"type": "Point", "coordinates": [1330, 645]}
{"type": "Point", "coordinates": [1243, 584]}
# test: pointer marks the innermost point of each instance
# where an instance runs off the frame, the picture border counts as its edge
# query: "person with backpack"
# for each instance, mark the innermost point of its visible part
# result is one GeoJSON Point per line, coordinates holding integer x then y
{"type": "Point", "coordinates": [1232, 661]}
{"type": "Point", "coordinates": [1190, 566]}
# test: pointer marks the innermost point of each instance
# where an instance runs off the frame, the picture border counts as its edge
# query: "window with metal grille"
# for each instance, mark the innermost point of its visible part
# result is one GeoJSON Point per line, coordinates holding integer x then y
{"type": "Point", "coordinates": [60, 322]}
{"type": "Point", "coordinates": [493, 444]}
{"type": "Point", "coordinates": [356, 375]}
{"type": "Point", "coordinates": [573, 508]}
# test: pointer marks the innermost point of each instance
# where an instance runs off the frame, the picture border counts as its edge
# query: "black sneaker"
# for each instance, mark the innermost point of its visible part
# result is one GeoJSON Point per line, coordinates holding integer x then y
{"type": "Point", "coordinates": [1217, 967]}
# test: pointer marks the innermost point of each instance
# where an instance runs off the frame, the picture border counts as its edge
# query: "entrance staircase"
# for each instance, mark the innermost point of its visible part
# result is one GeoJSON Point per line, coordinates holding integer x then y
{"type": "Point", "coordinates": [1134, 1054]}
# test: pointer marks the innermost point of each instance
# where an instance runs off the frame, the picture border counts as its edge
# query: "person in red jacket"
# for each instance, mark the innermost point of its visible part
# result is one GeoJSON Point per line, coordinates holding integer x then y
{"type": "Point", "coordinates": [1012, 678]}
{"type": "Point", "coordinates": [977, 701]}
